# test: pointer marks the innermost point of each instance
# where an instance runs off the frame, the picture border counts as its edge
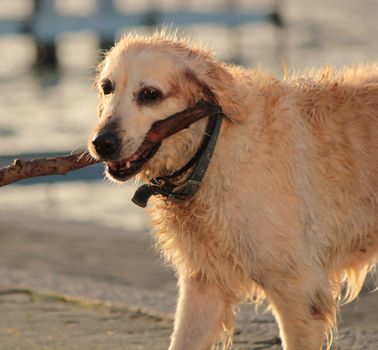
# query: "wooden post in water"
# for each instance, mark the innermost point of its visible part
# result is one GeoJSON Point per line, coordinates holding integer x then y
{"type": "Point", "coordinates": [45, 49]}
{"type": "Point", "coordinates": [106, 8]}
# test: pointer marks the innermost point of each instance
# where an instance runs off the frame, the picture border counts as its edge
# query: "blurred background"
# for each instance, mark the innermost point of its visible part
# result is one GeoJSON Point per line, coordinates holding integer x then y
{"type": "Point", "coordinates": [49, 50]}
{"type": "Point", "coordinates": [67, 234]}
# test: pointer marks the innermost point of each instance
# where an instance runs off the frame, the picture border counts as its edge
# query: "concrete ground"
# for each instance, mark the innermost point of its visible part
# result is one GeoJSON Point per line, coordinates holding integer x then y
{"type": "Point", "coordinates": [75, 286]}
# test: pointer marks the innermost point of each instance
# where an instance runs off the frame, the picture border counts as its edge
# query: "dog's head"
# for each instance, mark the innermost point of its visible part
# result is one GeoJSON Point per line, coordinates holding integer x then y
{"type": "Point", "coordinates": [141, 81]}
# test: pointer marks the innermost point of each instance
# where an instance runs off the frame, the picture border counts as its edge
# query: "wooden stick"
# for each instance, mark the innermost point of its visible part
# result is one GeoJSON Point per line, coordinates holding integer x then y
{"type": "Point", "coordinates": [160, 130]}
{"type": "Point", "coordinates": [167, 127]}
{"type": "Point", "coordinates": [23, 169]}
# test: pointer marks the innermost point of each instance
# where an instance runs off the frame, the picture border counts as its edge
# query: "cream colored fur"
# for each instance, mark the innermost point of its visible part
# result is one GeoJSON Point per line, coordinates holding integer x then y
{"type": "Point", "coordinates": [288, 209]}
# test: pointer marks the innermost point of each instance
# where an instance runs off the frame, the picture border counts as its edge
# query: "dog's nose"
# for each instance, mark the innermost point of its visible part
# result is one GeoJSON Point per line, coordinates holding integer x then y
{"type": "Point", "coordinates": [107, 144]}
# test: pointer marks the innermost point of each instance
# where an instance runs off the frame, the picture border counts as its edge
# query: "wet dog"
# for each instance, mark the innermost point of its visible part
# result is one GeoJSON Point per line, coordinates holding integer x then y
{"type": "Point", "coordinates": [287, 209]}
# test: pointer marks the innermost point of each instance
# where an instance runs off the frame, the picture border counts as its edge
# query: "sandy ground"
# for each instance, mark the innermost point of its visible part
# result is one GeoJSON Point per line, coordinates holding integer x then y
{"type": "Point", "coordinates": [76, 286]}
{"type": "Point", "coordinates": [37, 322]}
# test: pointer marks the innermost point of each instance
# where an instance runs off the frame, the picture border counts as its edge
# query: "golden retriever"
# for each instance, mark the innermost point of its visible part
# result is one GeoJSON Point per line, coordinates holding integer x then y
{"type": "Point", "coordinates": [288, 208]}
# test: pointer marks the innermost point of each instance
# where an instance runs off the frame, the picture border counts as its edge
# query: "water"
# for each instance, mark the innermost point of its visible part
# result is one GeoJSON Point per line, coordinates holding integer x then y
{"type": "Point", "coordinates": [47, 112]}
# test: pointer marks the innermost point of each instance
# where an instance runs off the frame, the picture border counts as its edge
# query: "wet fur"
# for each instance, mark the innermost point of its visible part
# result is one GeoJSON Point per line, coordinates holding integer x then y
{"type": "Point", "coordinates": [288, 208]}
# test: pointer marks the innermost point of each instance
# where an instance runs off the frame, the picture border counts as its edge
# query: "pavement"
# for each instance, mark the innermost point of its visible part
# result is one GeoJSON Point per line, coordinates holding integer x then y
{"type": "Point", "coordinates": [66, 285]}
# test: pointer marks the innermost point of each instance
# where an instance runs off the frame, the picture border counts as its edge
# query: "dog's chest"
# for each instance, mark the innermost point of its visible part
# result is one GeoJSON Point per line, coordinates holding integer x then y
{"type": "Point", "coordinates": [200, 241]}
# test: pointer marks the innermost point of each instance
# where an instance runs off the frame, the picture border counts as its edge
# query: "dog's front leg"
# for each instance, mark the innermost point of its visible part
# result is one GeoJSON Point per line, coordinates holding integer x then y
{"type": "Point", "coordinates": [200, 314]}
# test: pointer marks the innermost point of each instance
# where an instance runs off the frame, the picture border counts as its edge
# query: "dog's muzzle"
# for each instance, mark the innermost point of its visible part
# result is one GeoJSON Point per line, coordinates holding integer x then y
{"type": "Point", "coordinates": [107, 144]}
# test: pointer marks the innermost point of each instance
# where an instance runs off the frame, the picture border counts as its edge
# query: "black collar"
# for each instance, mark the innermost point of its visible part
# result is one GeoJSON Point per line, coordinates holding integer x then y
{"type": "Point", "coordinates": [199, 162]}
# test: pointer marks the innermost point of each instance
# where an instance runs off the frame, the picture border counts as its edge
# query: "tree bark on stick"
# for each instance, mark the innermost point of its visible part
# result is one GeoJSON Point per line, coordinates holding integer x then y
{"type": "Point", "coordinates": [23, 169]}
{"type": "Point", "coordinates": [160, 130]}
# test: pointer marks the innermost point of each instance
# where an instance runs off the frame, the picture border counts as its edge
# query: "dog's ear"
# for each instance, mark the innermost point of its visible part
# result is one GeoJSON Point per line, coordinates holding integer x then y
{"type": "Point", "coordinates": [219, 85]}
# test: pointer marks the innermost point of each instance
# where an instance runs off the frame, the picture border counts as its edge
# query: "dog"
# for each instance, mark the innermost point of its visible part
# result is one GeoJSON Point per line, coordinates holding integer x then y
{"type": "Point", "coordinates": [287, 210]}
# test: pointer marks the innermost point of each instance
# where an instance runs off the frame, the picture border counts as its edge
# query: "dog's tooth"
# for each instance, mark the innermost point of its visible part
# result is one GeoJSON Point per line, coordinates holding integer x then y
{"type": "Point", "coordinates": [112, 164]}
{"type": "Point", "coordinates": [128, 164]}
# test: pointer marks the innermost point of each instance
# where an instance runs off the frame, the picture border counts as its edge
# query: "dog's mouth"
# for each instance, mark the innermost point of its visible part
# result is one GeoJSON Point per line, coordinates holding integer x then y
{"type": "Point", "coordinates": [124, 169]}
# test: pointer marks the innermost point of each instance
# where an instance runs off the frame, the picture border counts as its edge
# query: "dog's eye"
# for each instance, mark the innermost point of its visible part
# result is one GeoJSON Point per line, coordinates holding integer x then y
{"type": "Point", "coordinates": [149, 94]}
{"type": "Point", "coordinates": [107, 87]}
